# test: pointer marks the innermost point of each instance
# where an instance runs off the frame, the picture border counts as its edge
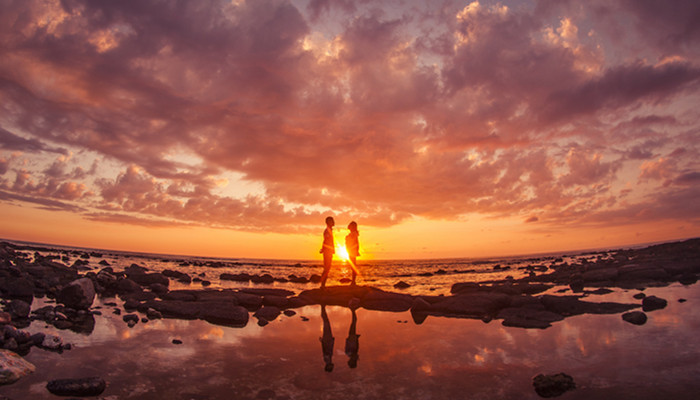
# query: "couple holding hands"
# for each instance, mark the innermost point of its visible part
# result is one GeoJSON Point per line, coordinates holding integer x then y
{"type": "Point", "coordinates": [352, 245]}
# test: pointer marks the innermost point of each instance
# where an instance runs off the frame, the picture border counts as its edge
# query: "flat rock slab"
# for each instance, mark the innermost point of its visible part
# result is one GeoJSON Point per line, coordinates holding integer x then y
{"type": "Point", "coordinates": [93, 386]}
{"type": "Point", "coordinates": [13, 367]}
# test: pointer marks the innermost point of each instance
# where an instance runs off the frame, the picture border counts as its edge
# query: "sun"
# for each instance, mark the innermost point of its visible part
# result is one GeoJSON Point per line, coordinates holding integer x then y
{"type": "Point", "coordinates": [342, 252]}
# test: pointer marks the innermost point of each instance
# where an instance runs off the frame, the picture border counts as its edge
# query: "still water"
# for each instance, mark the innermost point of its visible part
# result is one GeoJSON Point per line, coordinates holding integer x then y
{"type": "Point", "coordinates": [442, 358]}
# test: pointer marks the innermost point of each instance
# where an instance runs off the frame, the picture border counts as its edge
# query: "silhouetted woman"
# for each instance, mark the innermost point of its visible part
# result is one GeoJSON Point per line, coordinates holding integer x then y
{"type": "Point", "coordinates": [352, 343]}
{"type": "Point", "coordinates": [327, 249]}
{"type": "Point", "coordinates": [327, 340]}
{"type": "Point", "coordinates": [352, 244]}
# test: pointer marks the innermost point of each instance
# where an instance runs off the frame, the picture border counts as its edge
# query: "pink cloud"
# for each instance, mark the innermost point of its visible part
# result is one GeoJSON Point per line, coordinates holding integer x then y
{"type": "Point", "coordinates": [396, 112]}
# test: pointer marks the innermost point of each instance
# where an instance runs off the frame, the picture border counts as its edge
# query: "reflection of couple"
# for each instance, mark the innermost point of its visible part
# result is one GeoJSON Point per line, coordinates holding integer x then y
{"type": "Point", "coordinates": [352, 343]}
{"type": "Point", "coordinates": [352, 245]}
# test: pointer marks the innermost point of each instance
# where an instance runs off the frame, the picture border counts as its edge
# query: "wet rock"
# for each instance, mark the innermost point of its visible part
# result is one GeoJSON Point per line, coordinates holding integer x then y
{"type": "Point", "coordinates": [528, 317]}
{"type": "Point", "coordinates": [402, 285]}
{"type": "Point", "coordinates": [153, 314]}
{"type": "Point", "coordinates": [19, 288]}
{"type": "Point", "coordinates": [149, 279]}
{"type": "Point", "coordinates": [19, 308]}
{"type": "Point", "coordinates": [177, 275]}
{"type": "Point", "coordinates": [225, 314]}
{"type": "Point", "coordinates": [78, 294]}
{"type": "Point", "coordinates": [553, 385]}
{"type": "Point", "coordinates": [289, 313]}
{"type": "Point", "coordinates": [380, 300]}
{"type": "Point", "coordinates": [127, 285]}
{"type": "Point", "coordinates": [82, 387]}
{"type": "Point", "coordinates": [5, 318]}
{"type": "Point", "coordinates": [268, 292]}
{"type": "Point", "coordinates": [177, 341]}
{"type": "Point", "coordinates": [639, 296]}
{"type": "Point", "coordinates": [635, 317]}
{"type": "Point", "coordinates": [268, 313]}
{"type": "Point", "coordinates": [158, 288]}
{"type": "Point", "coordinates": [651, 303]}
{"type": "Point", "coordinates": [636, 272]}
{"type": "Point", "coordinates": [688, 278]}
{"type": "Point", "coordinates": [235, 277]}
{"type": "Point", "coordinates": [52, 342]}
{"type": "Point", "coordinates": [13, 367]}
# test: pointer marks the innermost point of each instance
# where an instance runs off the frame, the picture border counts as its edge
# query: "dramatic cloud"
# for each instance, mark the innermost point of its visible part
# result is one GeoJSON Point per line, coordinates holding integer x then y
{"type": "Point", "coordinates": [270, 114]}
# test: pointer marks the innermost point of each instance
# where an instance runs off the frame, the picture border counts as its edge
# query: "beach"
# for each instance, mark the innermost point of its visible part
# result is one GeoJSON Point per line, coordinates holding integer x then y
{"type": "Point", "coordinates": [620, 323]}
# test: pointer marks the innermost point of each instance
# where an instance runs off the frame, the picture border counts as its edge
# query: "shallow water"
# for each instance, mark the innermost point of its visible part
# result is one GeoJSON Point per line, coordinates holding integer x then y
{"type": "Point", "coordinates": [443, 358]}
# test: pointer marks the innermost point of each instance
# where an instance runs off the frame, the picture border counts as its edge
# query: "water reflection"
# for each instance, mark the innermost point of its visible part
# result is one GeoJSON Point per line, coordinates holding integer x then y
{"type": "Point", "coordinates": [327, 340]}
{"type": "Point", "coordinates": [443, 358]}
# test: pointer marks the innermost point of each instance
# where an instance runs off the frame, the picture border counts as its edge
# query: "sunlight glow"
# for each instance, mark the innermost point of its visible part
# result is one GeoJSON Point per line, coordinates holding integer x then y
{"type": "Point", "coordinates": [342, 252]}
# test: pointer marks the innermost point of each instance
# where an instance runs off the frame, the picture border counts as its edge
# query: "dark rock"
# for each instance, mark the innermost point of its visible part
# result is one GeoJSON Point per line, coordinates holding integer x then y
{"type": "Point", "coordinates": [688, 278]}
{"type": "Point", "coordinates": [267, 292]}
{"type": "Point", "coordinates": [177, 341]}
{"type": "Point", "coordinates": [235, 277]}
{"type": "Point", "coordinates": [528, 317]}
{"type": "Point", "coordinates": [19, 308]}
{"type": "Point", "coordinates": [402, 285]}
{"type": "Point", "coordinates": [19, 288]}
{"type": "Point", "coordinates": [639, 296]}
{"type": "Point", "coordinates": [153, 314]}
{"type": "Point", "coordinates": [130, 317]}
{"type": "Point", "coordinates": [651, 303]}
{"type": "Point", "coordinates": [78, 294]}
{"type": "Point", "coordinates": [682, 300]}
{"type": "Point", "coordinates": [380, 300]}
{"type": "Point", "coordinates": [149, 279]}
{"type": "Point", "coordinates": [636, 272]}
{"type": "Point", "coordinates": [158, 288]}
{"type": "Point", "coordinates": [289, 313]}
{"type": "Point", "coordinates": [127, 285]}
{"type": "Point", "coordinates": [268, 313]}
{"type": "Point", "coordinates": [224, 314]}
{"type": "Point", "coordinates": [635, 317]}
{"type": "Point", "coordinates": [553, 385]}
{"type": "Point", "coordinates": [93, 386]}
{"type": "Point", "coordinates": [5, 318]}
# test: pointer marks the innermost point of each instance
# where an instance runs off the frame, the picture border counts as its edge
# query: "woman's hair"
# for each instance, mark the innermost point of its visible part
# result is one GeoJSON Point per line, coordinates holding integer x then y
{"type": "Point", "coordinates": [329, 219]}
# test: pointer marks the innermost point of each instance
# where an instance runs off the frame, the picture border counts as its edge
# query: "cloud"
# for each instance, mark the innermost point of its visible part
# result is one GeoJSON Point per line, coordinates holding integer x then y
{"type": "Point", "coordinates": [358, 109]}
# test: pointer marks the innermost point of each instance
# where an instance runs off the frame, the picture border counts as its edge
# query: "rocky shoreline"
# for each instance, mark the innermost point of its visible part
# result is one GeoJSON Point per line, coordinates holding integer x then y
{"type": "Point", "coordinates": [547, 295]}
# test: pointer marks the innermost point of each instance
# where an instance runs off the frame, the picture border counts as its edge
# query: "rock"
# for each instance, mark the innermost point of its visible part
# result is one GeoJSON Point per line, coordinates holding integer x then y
{"type": "Point", "coordinates": [158, 288]}
{"type": "Point", "coordinates": [19, 288]}
{"type": "Point", "coordinates": [635, 317]}
{"type": "Point", "coordinates": [402, 285]}
{"type": "Point", "coordinates": [179, 276]}
{"type": "Point", "coordinates": [149, 279]}
{"type": "Point", "coordinates": [553, 385]}
{"type": "Point", "coordinates": [639, 296]}
{"type": "Point", "coordinates": [38, 338]}
{"type": "Point", "coordinates": [131, 318]}
{"type": "Point", "coordinates": [688, 278]}
{"type": "Point", "coordinates": [379, 300]}
{"type": "Point", "coordinates": [78, 294]}
{"type": "Point", "coordinates": [153, 314]}
{"type": "Point", "coordinates": [636, 272]}
{"type": "Point", "coordinates": [651, 303]}
{"type": "Point", "coordinates": [177, 341]}
{"type": "Point", "coordinates": [93, 386]}
{"type": "Point", "coordinates": [5, 318]}
{"type": "Point", "coordinates": [19, 308]}
{"type": "Point", "coordinates": [52, 342]}
{"type": "Point", "coordinates": [528, 317]}
{"type": "Point", "coordinates": [13, 367]}
{"type": "Point", "coordinates": [127, 285]}
{"type": "Point", "coordinates": [10, 344]}
{"type": "Point", "coordinates": [225, 314]}
{"type": "Point", "coordinates": [289, 313]}
{"type": "Point", "coordinates": [268, 313]}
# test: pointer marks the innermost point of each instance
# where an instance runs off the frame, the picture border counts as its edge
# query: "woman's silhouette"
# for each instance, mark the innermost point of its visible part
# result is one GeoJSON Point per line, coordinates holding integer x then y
{"type": "Point", "coordinates": [352, 343]}
{"type": "Point", "coordinates": [352, 244]}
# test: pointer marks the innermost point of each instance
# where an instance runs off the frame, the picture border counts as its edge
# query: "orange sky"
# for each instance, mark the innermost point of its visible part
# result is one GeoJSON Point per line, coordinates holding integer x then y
{"type": "Point", "coordinates": [445, 129]}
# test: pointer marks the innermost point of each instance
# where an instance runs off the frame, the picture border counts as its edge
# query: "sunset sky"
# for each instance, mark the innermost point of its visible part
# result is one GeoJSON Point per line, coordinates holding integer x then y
{"type": "Point", "coordinates": [444, 128]}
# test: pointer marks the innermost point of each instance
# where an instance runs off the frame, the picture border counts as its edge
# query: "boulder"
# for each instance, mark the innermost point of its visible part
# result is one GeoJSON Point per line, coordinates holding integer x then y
{"type": "Point", "coordinates": [553, 385]}
{"type": "Point", "coordinates": [82, 387]}
{"type": "Point", "coordinates": [52, 342]}
{"type": "Point", "coordinates": [19, 308]}
{"type": "Point", "coordinates": [528, 317]}
{"type": "Point", "coordinates": [13, 367]}
{"type": "Point", "coordinates": [19, 288]}
{"type": "Point", "coordinates": [268, 313]}
{"type": "Point", "coordinates": [127, 285]}
{"type": "Point", "coordinates": [150, 279]}
{"type": "Point", "coordinates": [635, 317]}
{"type": "Point", "coordinates": [78, 294]}
{"type": "Point", "coordinates": [401, 285]}
{"type": "Point", "coordinates": [224, 314]}
{"type": "Point", "coordinates": [651, 303]}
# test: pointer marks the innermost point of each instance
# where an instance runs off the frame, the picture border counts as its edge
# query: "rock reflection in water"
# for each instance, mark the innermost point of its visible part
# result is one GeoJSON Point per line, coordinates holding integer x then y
{"type": "Point", "coordinates": [442, 358]}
